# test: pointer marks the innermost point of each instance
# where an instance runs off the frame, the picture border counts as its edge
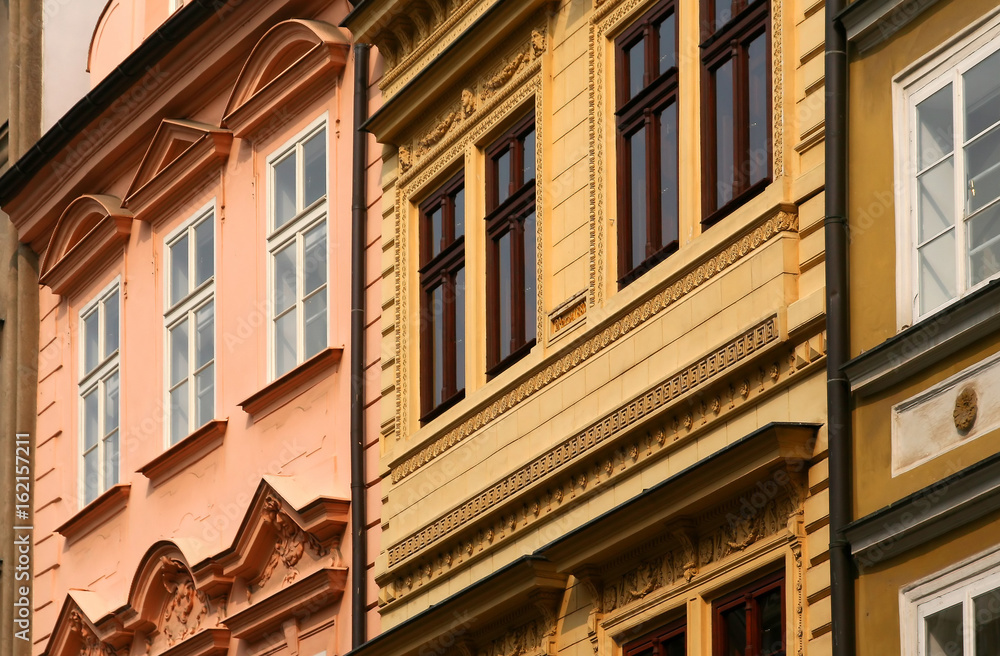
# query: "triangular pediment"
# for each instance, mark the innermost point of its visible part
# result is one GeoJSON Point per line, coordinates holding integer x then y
{"type": "Point", "coordinates": [289, 56]}
{"type": "Point", "coordinates": [75, 632]}
{"type": "Point", "coordinates": [88, 229]}
{"type": "Point", "coordinates": [179, 148]}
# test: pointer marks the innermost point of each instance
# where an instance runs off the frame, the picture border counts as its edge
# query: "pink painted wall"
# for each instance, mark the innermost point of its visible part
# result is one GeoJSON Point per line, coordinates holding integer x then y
{"type": "Point", "coordinates": [303, 441]}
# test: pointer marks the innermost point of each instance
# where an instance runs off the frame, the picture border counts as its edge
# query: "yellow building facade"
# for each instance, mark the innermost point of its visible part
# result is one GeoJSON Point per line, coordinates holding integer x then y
{"type": "Point", "coordinates": [603, 306]}
{"type": "Point", "coordinates": [923, 103]}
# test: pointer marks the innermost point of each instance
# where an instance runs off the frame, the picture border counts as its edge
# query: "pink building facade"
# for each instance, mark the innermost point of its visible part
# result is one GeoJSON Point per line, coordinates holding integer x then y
{"type": "Point", "coordinates": [192, 472]}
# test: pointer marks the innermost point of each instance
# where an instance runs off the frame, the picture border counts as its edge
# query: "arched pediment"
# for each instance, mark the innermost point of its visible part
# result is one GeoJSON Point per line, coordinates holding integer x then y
{"type": "Point", "coordinates": [112, 39]}
{"type": "Point", "coordinates": [290, 56]}
{"type": "Point", "coordinates": [180, 150]}
{"type": "Point", "coordinates": [90, 228]}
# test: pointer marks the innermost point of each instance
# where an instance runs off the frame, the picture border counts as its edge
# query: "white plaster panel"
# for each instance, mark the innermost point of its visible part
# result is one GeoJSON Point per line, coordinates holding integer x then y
{"type": "Point", "coordinates": [923, 426]}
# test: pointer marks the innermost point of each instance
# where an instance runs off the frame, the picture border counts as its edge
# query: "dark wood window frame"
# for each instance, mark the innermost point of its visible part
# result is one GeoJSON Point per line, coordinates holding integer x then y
{"type": "Point", "coordinates": [441, 269]}
{"type": "Point", "coordinates": [748, 598]}
{"type": "Point", "coordinates": [508, 217]}
{"type": "Point", "coordinates": [730, 43]}
{"type": "Point", "coordinates": [657, 642]}
{"type": "Point", "coordinates": [639, 111]}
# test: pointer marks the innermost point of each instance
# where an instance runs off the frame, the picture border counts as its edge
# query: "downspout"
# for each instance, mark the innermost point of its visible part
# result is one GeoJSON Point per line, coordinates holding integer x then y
{"type": "Point", "coordinates": [359, 211]}
{"type": "Point", "coordinates": [837, 333]}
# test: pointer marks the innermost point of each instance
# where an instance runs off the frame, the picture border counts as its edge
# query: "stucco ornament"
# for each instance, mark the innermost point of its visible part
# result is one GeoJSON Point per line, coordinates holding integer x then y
{"type": "Point", "coordinates": [289, 546]}
{"type": "Point", "coordinates": [966, 409]}
{"type": "Point", "coordinates": [90, 645]}
{"type": "Point", "coordinates": [186, 607]}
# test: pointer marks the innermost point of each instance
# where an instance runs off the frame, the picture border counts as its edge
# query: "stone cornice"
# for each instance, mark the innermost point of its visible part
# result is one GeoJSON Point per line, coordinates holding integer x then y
{"type": "Point", "coordinates": [193, 447]}
{"type": "Point", "coordinates": [870, 22]}
{"type": "Point", "coordinates": [95, 513]}
{"type": "Point", "coordinates": [595, 341]}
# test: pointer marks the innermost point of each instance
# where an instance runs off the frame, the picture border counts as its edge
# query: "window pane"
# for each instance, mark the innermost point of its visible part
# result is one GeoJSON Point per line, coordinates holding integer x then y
{"type": "Point", "coordinates": [529, 156]}
{"type": "Point", "coordinates": [179, 352]}
{"type": "Point", "coordinates": [723, 12]}
{"type": "Point", "coordinates": [668, 44]}
{"type": "Point", "coordinates": [111, 460]}
{"type": "Point", "coordinates": [111, 403]}
{"type": "Point", "coordinates": [460, 330]}
{"type": "Point", "coordinates": [204, 344]}
{"type": "Point", "coordinates": [936, 204]}
{"type": "Point", "coordinates": [982, 95]}
{"type": "Point", "coordinates": [637, 179]}
{"type": "Point", "coordinates": [436, 319]}
{"type": "Point", "coordinates": [986, 610]}
{"type": "Point", "coordinates": [734, 627]}
{"type": "Point", "coordinates": [722, 80]}
{"type": "Point", "coordinates": [179, 427]}
{"type": "Point", "coordinates": [314, 154]}
{"type": "Point", "coordinates": [503, 176]}
{"type": "Point", "coordinates": [944, 632]}
{"type": "Point", "coordinates": [91, 339]}
{"type": "Point", "coordinates": [935, 129]}
{"type": "Point", "coordinates": [676, 646]}
{"type": "Point", "coordinates": [668, 175]}
{"type": "Point", "coordinates": [530, 314]}
{"type": "Point", "coordinates": [504, 271]}
{"type": "Point", "coordinates": [982, 158]}
{"type": "Point", "coordinates": [204, 266]}
{"type": "Point", "coordinates": [315, 256]}
{"type": "Point", "coordinates": [284, 343]}
{"type": "Point", "coordinates": [458, 203]}
{"type": "Point", "coordinates": [111, 320]}
{"type": "Point", "coordinates": [758, 102]}
{"type": "Point", "coordinates": [284, 191]}
{"type": "Point", "coordinates": [771, 636]}
{"type": "Point", "coordinates": [635, 58]}
{"type": "Point", "coordinates": [284, 278]}
{"type": "Point", "coordinates": [435, 218]}
{"type": "Point", "coordinates": [90, 474]}
{"type": "Point", "coordinates": [90, 419]}
{"type": "Point", "coordinates": [179, 285]}
{"type": "Point", "coordinates": [937, 271]}
{"type": "Point", "coordinates": [984, 245]}
{"type": "Point", "coordinates": [315, 317]}
{"type": "Point", "coordinates": [205, 396]}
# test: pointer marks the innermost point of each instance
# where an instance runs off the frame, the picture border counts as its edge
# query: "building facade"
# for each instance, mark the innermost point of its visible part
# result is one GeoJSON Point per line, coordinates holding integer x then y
{"type": "Point", "coordinates": [923, 106]}
{"type": "Point", "coordinates": [192, 220]}
{"type": "Point", "coordinates": [603, 327]}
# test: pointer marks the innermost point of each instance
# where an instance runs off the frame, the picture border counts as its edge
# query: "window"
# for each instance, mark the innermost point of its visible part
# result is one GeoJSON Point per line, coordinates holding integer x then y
{"type": "Point", "coordinates": [751, 622]}
{"type": "Point", "coordinates": [646, 97]}
{"type": "Point", "coordinates": [100, 392]}
{"type": "Point", "coordinates": [442, 289]}
{"type": "Point", "coordinates": [510, 246]}
{"type": "Point", "coordinates": [951, 168]}
{"type": "Point", "coordinates": [954, 613]}
{"type": "Point", "coordinates": [190, 326]}
{"type": "Point", "coordinates": [175, 5]}
{"type": "Point", "coordinates": [736, 103]}
{"type": "Point", "coordinates": [671, 641]}
{"type": "Point", "coordinates": [297, 249]}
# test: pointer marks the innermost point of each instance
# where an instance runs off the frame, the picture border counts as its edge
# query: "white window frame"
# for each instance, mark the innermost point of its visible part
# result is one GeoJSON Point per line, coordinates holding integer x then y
{"type": "Point", "coordinates": [958, 583]}
{"type": "Point", "coordinates": [96, 379]}
{"type": "Point", "coordinates": [185, 309]}
{"type": "Point", "coordinates": [305, 219]}
{"type": "Point", "coordinates": [175, 5]}
{"type": "Point", "coordinates": [914, 84]}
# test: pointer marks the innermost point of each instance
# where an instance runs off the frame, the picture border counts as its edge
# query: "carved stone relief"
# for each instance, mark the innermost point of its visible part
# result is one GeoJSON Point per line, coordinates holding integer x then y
{"type": "Point", "coordinates": [186, 607]}
{"type": "Point", "coordinates": [290, 545]}
{"type": "Point", "coordinates": [90, 645]}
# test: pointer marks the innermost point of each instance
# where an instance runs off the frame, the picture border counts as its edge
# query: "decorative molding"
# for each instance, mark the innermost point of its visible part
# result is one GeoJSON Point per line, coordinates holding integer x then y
{"type": "Point", "coordinates": [295, 381]}
{"type": "Point", "coordinates": [676, 288]}
{"type": "Point", "coordinates": [90, 644]}
{"type": "Point", "coordinates": [664, 431]}
{"type": "Point", "coordinates": [95, 513]}
{"type": "Point", "coordinates": [778, 88]}
{"type": "Point", "coordinates": [290, 545]}
{"type": "Point", "coordinates": [966, 409]}
{"type": "Point", "coordinates": [185, 453]}
{"type": "Point", "coordinates": [180, 620]}
{"type": "Point", "coordinates": [568, 314]}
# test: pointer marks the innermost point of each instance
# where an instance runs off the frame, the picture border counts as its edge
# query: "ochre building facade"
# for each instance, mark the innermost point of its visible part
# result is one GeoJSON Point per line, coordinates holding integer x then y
{"type": "Point", "coordinates": [603, 351]}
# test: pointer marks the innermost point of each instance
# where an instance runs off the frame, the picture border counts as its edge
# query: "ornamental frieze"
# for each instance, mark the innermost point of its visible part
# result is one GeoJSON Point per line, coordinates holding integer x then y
{"type": "Point", "coordinates": [484, 526]}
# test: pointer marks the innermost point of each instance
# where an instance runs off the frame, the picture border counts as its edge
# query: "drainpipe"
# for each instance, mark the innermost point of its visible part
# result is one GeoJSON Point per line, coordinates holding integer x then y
{"type": "Point", "coordinates": [359, 211]}
{"type": "Point", "coordinates": [837, 332]}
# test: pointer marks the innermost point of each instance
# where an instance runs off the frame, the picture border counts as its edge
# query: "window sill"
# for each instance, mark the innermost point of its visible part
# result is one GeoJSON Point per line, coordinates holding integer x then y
{"type": "Point", "coordinates": [292, 383]}
{"type": "Point", "coordinates": [96, 513]}
{"type": "Point", "coordinates": [185, 453]}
